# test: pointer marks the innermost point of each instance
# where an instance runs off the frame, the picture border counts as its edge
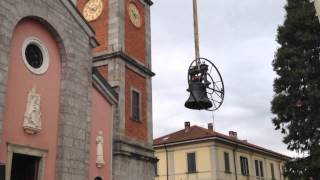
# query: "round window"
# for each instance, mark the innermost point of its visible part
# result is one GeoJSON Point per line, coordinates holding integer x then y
{"type": "Point", "coordinates": [98, 178]}
{"type": "Point", "coordinates": [35, 55]}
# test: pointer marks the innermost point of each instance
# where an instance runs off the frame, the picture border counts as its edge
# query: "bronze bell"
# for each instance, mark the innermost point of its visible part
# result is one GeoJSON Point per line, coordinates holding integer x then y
{"type": "Point", "coordinates": [198, 98]}
{"type": "Point", "coordinates": [198, 84]}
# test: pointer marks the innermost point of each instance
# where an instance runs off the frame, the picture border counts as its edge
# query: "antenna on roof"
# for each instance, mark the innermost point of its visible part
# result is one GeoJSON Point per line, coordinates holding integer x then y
{"type": "Point", "coordinates": [213, 124]}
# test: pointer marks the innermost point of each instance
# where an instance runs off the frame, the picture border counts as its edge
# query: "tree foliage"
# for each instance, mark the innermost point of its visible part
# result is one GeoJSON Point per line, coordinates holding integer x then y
{"type": "Point", "coordinates": [296, 103]}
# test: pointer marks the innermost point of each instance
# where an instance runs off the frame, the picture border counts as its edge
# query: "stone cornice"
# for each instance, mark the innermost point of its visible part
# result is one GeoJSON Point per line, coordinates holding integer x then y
{"type": "Point", "coordinates": [102, 85]}
{"type": "Point", "coordinates": [126, 58]}
{"type": "Point", "coordinates": [224, 141]}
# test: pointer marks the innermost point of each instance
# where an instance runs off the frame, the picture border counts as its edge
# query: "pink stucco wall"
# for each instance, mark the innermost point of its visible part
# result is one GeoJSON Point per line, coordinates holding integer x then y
{"type": "Point", "coordinates": [20, 82]}
{"type": "Point", "coordinates": [101, 120]}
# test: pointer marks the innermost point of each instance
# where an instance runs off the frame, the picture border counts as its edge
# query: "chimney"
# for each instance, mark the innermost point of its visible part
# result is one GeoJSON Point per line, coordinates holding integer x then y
{"type": "Point", "coordinates": [210, 127]}
{"type": "Point", "coordinates": [233, 134]}
{"type": "Point", "coordinates": [186, 126]}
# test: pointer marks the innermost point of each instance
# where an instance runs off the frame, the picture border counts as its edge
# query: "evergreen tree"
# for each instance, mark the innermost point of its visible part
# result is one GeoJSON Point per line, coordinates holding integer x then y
{"type": "Point", "coordinates": [296, 103]}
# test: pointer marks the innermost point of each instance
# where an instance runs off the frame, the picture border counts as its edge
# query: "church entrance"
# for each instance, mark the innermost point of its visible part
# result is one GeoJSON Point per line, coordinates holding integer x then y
{"type": "Point", "coordinates": [24, 167]}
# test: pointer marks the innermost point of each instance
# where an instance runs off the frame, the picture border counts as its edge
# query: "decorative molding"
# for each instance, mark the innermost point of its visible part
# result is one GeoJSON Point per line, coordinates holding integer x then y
{"type": "Point", "coordinates": [135, 156]}
{"type": "Point", "coordinates": [26, 150]}
{"type": "Point", "coordinates": [32, 116]}
{"type": "Point", "coordinates": [44, 51]}
{"type": "Point", "coordinates": [225, 141]}
{"type": "Point", "coordinates": [100, 141]}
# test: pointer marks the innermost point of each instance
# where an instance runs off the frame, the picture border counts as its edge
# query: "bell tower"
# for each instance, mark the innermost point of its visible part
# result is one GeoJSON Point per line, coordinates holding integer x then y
{"type": "Point", "coordinates": [124, 59]}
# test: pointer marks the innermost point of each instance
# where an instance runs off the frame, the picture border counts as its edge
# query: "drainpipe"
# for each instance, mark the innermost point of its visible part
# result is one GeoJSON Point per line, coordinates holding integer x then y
{"type": "Point", "coordinates": [234, 161]}
{"type": "Point", "coordinates": [165, 147]}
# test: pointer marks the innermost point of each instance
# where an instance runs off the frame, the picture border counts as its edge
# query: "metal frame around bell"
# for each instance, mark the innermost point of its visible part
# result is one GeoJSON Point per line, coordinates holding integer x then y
{"type": "Point", "coordinates": [196, 62]}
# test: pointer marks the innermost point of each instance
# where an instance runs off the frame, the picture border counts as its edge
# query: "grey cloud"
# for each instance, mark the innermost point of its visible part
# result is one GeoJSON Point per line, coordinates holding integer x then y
{"type": "Point", "coordinates": [239, 37]}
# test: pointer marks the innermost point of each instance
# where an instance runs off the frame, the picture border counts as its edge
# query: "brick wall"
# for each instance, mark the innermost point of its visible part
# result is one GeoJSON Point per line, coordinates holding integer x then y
{"type": "Point", "coordinates": [99, 25]}
{"type": "Point", "coordinates": [136, 129]}
{"type": "Point", "coordinates": [135, 43]}
{"type": "Point", "coordinates": [103, 70]}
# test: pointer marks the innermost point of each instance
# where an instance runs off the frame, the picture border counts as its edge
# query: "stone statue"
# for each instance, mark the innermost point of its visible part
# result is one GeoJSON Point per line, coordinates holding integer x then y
{"type": "Point", "coordinates": [99, 141]}
{"type": "Point", "coordinates": [32, 116]}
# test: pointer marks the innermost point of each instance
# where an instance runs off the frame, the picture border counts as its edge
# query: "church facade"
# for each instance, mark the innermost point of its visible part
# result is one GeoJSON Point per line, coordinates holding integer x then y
{"type": "Point", "coordinates": [75, 90]}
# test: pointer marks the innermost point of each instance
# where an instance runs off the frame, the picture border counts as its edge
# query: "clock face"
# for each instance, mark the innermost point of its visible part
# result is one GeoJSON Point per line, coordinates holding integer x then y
{"type": "Point", "coordinates": [92, 10]}
{"type": "Point", "coordinates": [134, 15]}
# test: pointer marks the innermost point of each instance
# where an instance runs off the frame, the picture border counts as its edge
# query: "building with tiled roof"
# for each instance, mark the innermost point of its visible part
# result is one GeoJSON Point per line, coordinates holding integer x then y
{"type": "Point", "coordinates": [202, 153]}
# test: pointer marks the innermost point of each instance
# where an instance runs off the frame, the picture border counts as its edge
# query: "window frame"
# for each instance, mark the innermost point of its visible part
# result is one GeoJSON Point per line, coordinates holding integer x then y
{"type": "Point", "coordinates": [195, 163]}
{"type": "Point", "coordinates": [258, 164]}
{"type": "Point", "coordinates": [273, 176]}
{"type": "Point", "coordinates": [244, 166]}
{"type": "Point", "coordinates": [42, 69]}
{"type": "Point", "coordinates": [132, 91]}
{"type": "Point", "coordinates": [226, 158]}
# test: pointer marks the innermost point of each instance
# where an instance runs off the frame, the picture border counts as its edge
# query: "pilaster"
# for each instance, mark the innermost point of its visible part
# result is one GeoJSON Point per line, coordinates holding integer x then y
{"type": "Point", "coordinates": [116, 25]}
{"type": "Point", "coordinates": [171, 167]}
{"type": "Point", "coordinates": [214, 161]}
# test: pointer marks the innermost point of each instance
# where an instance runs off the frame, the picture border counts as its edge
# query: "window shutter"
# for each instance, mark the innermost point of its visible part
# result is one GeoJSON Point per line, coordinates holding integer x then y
{"type": "Point", "coordinates": [256, 163]}
{"type": "Point", "coordinates": [272, 170]}
{"type": "Point", "coordinates": [226, 162]}
{"type": "Point", "coordinates": [261, 169]}
{"type": "Point", "coordinates": [191, 162]}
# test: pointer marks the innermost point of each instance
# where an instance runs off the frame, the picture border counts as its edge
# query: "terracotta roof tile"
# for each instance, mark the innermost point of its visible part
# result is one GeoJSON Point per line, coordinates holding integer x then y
{"type": "Point", "coordinates": [196, 132]}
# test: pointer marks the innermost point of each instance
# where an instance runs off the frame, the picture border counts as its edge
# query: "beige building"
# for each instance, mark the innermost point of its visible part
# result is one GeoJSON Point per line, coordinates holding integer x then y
{"type": "Point", "coordinates": [196, 153]}
{"type": "Point", "coordinates": [317, 5]}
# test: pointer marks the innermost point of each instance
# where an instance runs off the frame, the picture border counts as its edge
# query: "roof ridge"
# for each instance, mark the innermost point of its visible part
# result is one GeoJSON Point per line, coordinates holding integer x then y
{"type": "Point", "coordinates": [161, 137]}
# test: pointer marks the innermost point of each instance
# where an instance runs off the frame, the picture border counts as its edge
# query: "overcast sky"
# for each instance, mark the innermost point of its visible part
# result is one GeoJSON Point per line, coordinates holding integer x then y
{"type": "Point", "coordinates": [239, 38]}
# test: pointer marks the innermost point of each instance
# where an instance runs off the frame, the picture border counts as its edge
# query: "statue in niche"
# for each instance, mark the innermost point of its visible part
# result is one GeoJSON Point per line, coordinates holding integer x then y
{"type": "Point", "coordinates": [99, 141]}
{"type": "Point", "coordinates": [32, 116]}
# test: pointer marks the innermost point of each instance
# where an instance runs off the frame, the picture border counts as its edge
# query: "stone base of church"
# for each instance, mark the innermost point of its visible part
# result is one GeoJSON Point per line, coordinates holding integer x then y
{"type": "Point", "coordinates": [132, 161]}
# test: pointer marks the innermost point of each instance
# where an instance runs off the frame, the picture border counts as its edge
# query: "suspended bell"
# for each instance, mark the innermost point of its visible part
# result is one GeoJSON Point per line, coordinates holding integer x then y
{"type": "Point", "coordinates": [198, 84]}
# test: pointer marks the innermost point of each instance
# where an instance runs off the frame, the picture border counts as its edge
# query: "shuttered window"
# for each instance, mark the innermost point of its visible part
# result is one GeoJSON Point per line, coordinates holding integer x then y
{"type": "Point", "coordinates": [272, 171]}
{"type": "Point", "coordinates": [244, 165]}
{"type": "Point", "coordinates": [256, 164]}
{"type": "Point", "coordinates": [226, 162]}
{"type": "Point", "coordinates": [191, 158]}
{"type": "Point", "coordinates": [259, 168]}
